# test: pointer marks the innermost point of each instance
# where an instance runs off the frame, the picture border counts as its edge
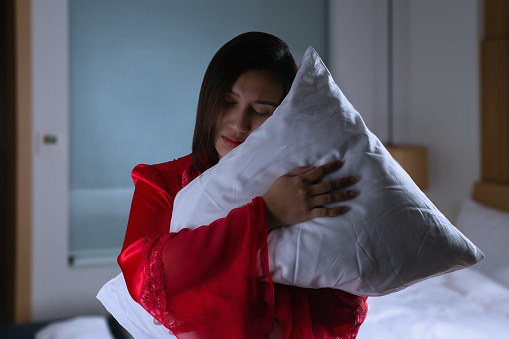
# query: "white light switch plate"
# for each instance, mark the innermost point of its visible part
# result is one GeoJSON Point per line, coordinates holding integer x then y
{"type": "Point", "coordinates": [49, 142]}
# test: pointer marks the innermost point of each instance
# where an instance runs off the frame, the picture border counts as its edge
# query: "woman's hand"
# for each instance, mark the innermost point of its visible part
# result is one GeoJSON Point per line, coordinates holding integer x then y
{"type": "Point", "coordinates": [156, 322]}
{"type": "Point", "coordinates": [298, 196]}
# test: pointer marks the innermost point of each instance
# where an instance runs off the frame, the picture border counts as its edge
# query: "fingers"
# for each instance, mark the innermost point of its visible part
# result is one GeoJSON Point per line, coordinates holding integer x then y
{"type": "Point", "coordinates": [329, 198]}
{"type": "Point", "coordinates": [325, 193]}
{"type": "Point", "coordinates": [322, 212]}
{"type": "Point", "coordinates": [299, 195]}
{"type": "Point", "coordinates": [332, 185]}
{"type": "Point", "coordinates": [319, 172]}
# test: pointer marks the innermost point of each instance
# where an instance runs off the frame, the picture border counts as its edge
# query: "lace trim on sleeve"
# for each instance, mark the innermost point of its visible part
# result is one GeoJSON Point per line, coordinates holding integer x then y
{"type": "Point", "coordinates": [188, 175]}
{"type": "Point", "coordinates": [153, 298]}
{"type": "Point", "coordinates": [360, 313]}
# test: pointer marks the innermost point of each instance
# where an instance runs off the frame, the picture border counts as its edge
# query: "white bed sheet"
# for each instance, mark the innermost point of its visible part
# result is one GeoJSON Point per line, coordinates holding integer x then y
{"type": "Point", "coordinates": [464, 304]}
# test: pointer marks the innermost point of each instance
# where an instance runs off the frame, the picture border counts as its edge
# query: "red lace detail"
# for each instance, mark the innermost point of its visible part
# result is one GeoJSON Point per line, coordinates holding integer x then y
{"type": "Point", "coordinates": [188, 175]}
{"type": "Point", "coordinates": [153, 298]}
{"type": "Point", "coordinates": [360, 312]}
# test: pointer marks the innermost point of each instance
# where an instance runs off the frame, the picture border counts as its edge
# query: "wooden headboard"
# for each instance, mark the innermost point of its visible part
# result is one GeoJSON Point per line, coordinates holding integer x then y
{"type": "Point", "coordinates": [492, 195]}
{"type": "Point", "coordinates": [493, 189]}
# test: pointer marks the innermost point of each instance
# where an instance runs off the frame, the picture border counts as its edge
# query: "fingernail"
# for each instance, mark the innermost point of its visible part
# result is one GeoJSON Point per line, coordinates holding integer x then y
{"type": "Point", "coordinates": [343, 209]}
{"type": "Point", "coordinates": [352, 194]}
{"type": "Point", "coordinates": [353, 180]}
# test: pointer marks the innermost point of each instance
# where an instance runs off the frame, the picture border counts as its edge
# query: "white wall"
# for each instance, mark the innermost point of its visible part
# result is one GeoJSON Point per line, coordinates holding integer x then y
{"type": "Point", "coordinates": [444, 94]}
{"type": "Point", "coordinates": [357, 57]}
{"type": "Point", "coordinates": [57, 289]}
{"type": "Point", "coordinates": [436, 81]}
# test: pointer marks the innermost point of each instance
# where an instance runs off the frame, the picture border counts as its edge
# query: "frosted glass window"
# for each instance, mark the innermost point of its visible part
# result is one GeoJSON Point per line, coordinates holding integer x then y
{"type": "Point", "coordinates": [135, 74]}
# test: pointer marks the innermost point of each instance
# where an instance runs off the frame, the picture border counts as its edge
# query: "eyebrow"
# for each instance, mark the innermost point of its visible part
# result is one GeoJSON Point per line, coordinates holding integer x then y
{"type": "Point", "coordinates": [261, 102]}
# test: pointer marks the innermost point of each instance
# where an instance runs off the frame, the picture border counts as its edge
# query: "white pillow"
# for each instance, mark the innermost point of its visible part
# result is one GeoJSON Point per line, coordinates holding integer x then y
{"type": "Point", "coordinates": [489, 228]}
{"type": "Point", "coordinates": [132, 316]}
{"type": "Point", "coordinates": [392, 237]}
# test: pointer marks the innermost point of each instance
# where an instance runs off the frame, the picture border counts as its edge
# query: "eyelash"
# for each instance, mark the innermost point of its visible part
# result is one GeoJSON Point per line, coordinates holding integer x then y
{"type": "Point", "coordinates": [226, 102]}
{"type": "Point", "coordinates": [260, 114]}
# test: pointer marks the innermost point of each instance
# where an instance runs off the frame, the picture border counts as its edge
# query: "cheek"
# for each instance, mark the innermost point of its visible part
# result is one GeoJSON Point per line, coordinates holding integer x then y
{"type": "Point", "coordinates": [219, 123]}
{"type": "Point", "coordinates": [258, 122]}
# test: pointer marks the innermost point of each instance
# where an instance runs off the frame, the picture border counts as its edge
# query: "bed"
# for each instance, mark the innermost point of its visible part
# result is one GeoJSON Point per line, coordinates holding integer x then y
{"type": "Point", "coordinates": [470, 303]}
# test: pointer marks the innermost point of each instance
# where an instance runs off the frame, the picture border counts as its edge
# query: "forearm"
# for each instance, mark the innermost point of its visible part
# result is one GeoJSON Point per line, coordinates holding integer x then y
{"type": "Point", "coordinates": [208, 274]}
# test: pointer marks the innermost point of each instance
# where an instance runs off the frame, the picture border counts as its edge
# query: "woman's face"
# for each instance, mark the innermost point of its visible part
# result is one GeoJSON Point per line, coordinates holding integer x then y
{"type": "Point", "coordinates": [251, 100]}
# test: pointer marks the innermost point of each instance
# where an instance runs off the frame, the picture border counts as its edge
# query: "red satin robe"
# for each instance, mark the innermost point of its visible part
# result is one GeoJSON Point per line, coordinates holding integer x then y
{"type": "Point", "coordinates": [213, 281]}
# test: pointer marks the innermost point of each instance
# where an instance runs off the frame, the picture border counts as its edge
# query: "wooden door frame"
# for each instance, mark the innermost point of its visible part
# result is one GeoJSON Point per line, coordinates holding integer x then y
{"type": "Point", "coordinates": [23, 174]}
{"type": "Point", "coordinates": [16, 152]}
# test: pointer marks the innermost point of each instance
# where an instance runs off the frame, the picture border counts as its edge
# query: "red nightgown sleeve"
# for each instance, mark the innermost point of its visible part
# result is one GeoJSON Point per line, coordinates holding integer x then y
{"type": "Point", "coordinates": [319, 313]}
{"type": "Point", "coordinates": [211, 282]}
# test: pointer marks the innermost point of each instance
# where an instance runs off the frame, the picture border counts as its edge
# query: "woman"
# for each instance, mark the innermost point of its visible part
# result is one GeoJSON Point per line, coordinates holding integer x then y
{"type": "Point", "coordinates": [213, 281]}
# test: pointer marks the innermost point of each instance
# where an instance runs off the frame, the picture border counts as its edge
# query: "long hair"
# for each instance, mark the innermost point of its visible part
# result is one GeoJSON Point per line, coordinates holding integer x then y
{"type": "Point", "coordinates": [248, 51]}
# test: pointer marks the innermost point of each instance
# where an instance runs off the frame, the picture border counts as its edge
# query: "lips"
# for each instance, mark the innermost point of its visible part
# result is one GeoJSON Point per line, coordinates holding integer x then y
{"type": "Point", "coordinates": [232, 142]}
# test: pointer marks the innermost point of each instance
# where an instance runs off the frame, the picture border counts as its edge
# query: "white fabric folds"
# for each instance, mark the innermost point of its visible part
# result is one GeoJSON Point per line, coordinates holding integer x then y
{"type": "Point", "coordinates": [391, 238]}
{"type": "Point", "coordinates": [132, 316]}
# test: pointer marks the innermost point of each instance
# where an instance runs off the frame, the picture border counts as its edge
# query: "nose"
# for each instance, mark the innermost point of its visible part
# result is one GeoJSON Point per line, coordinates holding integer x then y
{"type": "Point", "coordinates": [240, 120]}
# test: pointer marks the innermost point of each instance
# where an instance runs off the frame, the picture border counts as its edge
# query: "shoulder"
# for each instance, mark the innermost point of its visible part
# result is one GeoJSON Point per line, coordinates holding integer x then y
{"type": "Point", "coordinates": [167, 176]}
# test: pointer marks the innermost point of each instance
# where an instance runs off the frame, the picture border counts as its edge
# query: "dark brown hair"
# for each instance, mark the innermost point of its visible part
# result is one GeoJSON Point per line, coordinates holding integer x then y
{"type": "Point", "coordinates": [248, 51]}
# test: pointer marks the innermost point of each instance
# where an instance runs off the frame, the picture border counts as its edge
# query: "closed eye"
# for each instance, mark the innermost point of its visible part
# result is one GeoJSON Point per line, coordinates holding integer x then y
{"type": "Point", "coordinates": [262, 114]}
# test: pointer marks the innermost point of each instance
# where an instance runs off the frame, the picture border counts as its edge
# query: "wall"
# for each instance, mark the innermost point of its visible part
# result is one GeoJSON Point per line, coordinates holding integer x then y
{"type": "Point", "coordinates": [57, 289]}
{"type": "Point", "coordinates": [445, 96]}
{"type": "Point", "coordinates": [436, 82]}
